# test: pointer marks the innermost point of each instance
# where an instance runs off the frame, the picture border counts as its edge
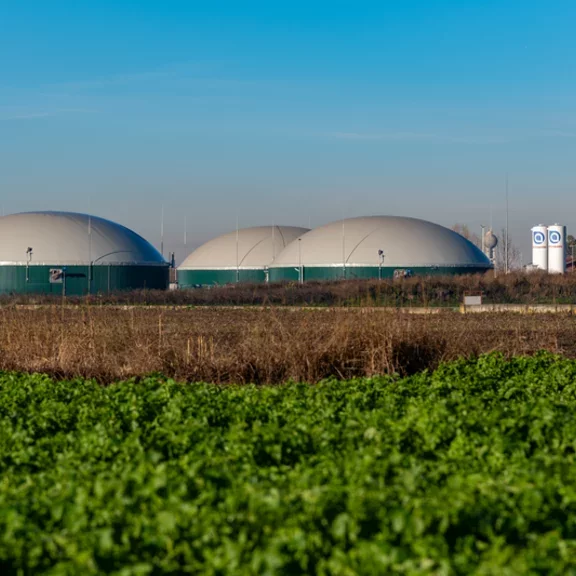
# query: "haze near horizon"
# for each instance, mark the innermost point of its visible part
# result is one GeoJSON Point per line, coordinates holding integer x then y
{"type": "Point", "coordinates": [289, 112]}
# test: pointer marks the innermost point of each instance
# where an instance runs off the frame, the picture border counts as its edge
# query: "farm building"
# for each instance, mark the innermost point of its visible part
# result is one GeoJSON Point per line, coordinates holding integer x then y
{"type": "Point", "coordinates": [69, 253]}
{"type": "Point", "coordinates": [377, 246]}
{"type": "Point", "coordinates": [239, 256]}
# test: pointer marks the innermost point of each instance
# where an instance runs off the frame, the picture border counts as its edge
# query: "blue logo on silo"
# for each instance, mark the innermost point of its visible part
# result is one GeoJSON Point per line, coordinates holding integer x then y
{"type": "Point", "coordinates": [539, 238]}
{"type": "Point", "coordinates": [554, 237]}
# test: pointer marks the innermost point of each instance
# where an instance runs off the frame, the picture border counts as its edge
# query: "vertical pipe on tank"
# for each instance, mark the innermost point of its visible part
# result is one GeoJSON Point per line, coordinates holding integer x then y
{"type": "Point", "coordinates": [540, 247]}
{"type": "Point", "coordinates": [557, 249]}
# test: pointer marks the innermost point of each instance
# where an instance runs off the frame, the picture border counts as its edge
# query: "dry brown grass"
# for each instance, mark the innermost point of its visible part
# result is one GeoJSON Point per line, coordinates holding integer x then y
{"type": "Point", "coordinates": [516, 288]}
{"type": "Point", "coordinates": [261, 346]}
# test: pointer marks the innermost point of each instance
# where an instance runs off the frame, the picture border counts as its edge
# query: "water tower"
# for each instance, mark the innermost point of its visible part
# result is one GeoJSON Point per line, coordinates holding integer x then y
{"type": "Point", "coordinates": [489, 243]}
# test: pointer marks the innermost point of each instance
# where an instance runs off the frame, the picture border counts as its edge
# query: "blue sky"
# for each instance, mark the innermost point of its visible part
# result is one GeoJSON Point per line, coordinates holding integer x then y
{"type": "Point", "coordinates": [289, 112]}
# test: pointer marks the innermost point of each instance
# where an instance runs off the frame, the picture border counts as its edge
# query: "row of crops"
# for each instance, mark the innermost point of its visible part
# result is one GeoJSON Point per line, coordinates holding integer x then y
{"type": "Point", "coordinates": [470, 469]}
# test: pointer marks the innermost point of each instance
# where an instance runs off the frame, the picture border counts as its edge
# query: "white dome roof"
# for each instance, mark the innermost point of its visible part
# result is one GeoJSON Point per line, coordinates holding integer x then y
{"type": "Point", "coordinates": [257, 248]}
{"type": "Point", "coordinates": [406, 242]}
{"type": "Point", "coordinates": [67, 238]}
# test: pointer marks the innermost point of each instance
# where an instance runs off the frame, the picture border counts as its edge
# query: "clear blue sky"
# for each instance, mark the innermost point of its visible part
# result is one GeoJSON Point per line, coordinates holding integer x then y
{"type": "Point", "coordinates": [289, 111]}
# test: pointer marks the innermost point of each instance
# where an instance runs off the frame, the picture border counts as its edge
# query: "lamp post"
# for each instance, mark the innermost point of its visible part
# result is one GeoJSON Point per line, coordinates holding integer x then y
{"type": "Point", "coordinates": [380, 262]}
{"type": "Point", "coordinates": [28, 260]}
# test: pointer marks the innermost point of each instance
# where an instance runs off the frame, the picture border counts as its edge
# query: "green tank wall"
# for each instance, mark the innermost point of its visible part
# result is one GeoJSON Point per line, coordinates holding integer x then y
{"type": "Point", "coordinates": [80, 280]}
{"type": "Point", "coordinates": [363, 272]}
{"type": "Point", "coordinates": [190, 278]}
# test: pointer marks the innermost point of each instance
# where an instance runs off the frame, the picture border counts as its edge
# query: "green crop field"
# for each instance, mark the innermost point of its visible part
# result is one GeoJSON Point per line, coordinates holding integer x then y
{"type": "Point", "coordinates": [467, 470]}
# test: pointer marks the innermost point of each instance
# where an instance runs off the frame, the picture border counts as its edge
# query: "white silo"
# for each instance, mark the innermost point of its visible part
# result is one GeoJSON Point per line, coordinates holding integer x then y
{"type": "Point", "coordinates": [540, 247]}
{"type": "Point", "coordinates": [557, 249]}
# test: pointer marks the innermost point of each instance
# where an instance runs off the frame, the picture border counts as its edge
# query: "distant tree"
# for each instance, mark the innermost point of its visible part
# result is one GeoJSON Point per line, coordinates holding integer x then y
{"type": "Point", "coordinates": [514, 254]}
{"type": "Point", "coordinates": [571, 249]}
{"type": "Point", "coordinates": [464, 230]}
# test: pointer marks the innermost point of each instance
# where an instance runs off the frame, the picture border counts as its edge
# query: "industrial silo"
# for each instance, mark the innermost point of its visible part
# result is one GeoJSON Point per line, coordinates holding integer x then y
{"type": "Point", "coordinates": [74, 254]}
{"type": "Point", "coordinates": [557, 249]}
{"type": "Point", "coordinates": [540, 247]}
{"type": "Point", "coordinates": [377, 246]}
{"type": "Point", "coordinates": [240, 256]}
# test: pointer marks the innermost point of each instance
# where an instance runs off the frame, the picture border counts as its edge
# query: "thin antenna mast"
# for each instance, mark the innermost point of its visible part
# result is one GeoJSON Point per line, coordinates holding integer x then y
{"type": "Point", "coordinates": [343, 247]}
{"type": "Point", "coordinates": [162, 232]}
{"type": "Point", "coordinates": [506, 244]}
{"type": "Point", "coordinates": [237, 257]}
{"type": "Point", "coordinates": [90, 263]}
{"type": "Point", "coordinates": [90, 253]}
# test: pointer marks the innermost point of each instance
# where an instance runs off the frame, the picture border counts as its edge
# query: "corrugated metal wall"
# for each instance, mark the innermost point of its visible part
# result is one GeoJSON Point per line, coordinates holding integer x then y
{"type": "Point", "coordinates": [79, 280]}
{"type": "Point", "coordinates": [362, 272]}
{"type": "Point", "coordinates": [190, 278]}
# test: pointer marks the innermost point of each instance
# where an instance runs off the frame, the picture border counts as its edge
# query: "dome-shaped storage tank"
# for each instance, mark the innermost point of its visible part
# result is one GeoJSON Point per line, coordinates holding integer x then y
{"type": "Point", "coordinates": [240, 256]}
{"type": "Point", "coordinates": [70, 253]}
{"type": "Point", "coordinates": [377, 246]}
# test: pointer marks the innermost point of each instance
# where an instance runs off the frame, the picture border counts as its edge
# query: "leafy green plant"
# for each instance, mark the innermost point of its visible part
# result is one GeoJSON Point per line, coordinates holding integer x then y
{"type": "Point", "coordinates": [468, 469]}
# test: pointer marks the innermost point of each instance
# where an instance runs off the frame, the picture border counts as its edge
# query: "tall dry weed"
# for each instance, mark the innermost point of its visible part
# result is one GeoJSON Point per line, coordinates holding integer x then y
{"type": "Point", "coordinates": [261, 346]}
{"type": "Point", "coordinates": [518, 287]}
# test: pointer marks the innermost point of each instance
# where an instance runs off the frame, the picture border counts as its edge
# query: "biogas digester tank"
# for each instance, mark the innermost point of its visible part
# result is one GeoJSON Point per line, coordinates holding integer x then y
{"type": "Point", "coordinates": [241, 256]}
{"type": "Point", "coordinates": [73, 254]}
{"type": "Point", "coordinates": [377, 247]}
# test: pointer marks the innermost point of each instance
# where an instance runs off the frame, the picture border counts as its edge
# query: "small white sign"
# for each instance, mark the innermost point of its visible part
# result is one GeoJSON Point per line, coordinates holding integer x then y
{"type": "Point", "coordinates": [472, 300]}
